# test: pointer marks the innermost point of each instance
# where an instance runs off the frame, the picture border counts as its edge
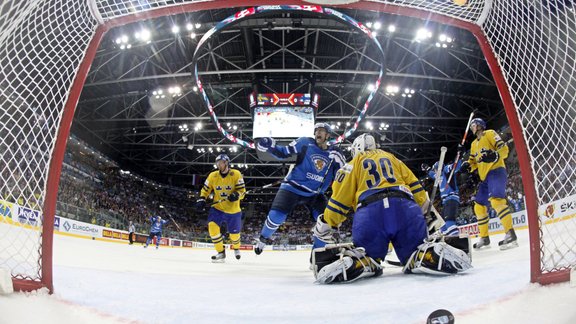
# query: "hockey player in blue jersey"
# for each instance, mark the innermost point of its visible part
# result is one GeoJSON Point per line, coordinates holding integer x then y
{"type": "Point", "coordinates": [388, 203]}
{"type": "Point", "coordinates": [155, 230]}
{"type": "Point", "coordinates": [448, 193]}
{"type": "Point", "coordinates": [316, 165]}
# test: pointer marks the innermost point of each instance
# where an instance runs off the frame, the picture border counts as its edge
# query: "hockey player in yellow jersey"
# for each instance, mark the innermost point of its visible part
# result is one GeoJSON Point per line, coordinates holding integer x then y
{"type": "Point", "coordinates": [487, 154]}
{"type": "Point", "coordinates": [388, 203]}
{"type": "Point", "coordinates": [228, 188]}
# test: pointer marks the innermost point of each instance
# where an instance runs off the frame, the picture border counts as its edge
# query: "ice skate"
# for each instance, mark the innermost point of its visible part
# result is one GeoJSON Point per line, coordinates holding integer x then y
{"type": "Point", "coordinates": [260, 244]}
{"type": "Point", "coordinates": [237, 254]}
{"type": "Point", "coordinates": [483, 243]}
{"type": "Point", "coordinates": [219, 258]}
{"type": "Point", "coordinates": [510, 241]}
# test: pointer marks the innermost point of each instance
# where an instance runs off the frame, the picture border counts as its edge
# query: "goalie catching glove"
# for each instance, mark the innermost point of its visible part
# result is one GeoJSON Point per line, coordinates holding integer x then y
{"type": "Point", "coordinates": [323, 231]}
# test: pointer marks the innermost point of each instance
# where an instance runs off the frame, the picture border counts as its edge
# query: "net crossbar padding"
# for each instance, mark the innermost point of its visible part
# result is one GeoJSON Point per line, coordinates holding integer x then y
{"type": "Point", "coordinates": [47, 46]}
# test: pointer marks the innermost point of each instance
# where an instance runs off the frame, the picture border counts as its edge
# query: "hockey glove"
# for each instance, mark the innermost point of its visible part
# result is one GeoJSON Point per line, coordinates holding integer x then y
{"type": "Point", "coordinates": [234, 196]}
{"type": "Point", "coordinates": [265, 143]}
{"type": "Point", "coordinates": [323, 231]}
{"type": "Point", "coordinates": [461, 149]}
{"type": "Point", "coordinates": [465, 167]}
{"type": "Point", "coordinates": [200, 204]}
{"type": "Point", "coordinates": [338, 158]}
{"type": "Point", "coordinates": [425, 167]}
{"type": "Point", "coordinates": [489, 156]}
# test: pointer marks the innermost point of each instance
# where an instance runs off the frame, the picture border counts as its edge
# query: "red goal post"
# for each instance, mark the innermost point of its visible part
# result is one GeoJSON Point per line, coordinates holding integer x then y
{"type": "Point", "coordinates": [47, 47]}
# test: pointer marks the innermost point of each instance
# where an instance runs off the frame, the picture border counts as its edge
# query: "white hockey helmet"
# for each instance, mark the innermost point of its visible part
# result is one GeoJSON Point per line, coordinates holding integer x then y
{"type": "Point", "coordinates": [364, 142]}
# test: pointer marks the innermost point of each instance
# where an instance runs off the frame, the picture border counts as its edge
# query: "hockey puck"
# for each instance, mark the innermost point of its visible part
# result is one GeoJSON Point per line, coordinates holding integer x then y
{"type": "Point", "coordinates": [440, 316]}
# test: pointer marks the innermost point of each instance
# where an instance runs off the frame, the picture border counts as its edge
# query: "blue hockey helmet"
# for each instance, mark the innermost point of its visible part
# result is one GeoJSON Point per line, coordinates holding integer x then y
{"type": "Point", "coordinates": [223, 157]}
{"type": "Point", "coordinates": [326, 126]}
{"type": "Point", "coordinates": [478, 121]}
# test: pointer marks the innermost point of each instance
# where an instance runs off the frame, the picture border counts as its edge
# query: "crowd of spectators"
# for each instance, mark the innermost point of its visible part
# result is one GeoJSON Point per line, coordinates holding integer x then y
{"type": "Point", "coordinates": [97, 192]}
{"type": "Point", "coordinates": [112, 198]}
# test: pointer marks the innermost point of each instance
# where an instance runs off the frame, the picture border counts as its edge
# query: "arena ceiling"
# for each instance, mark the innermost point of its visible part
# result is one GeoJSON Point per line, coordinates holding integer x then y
{"type": "Point", "coordinates": [122, 114]}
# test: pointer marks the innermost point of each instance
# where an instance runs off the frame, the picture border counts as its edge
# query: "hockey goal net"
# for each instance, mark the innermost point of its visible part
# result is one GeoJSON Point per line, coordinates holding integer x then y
{"type": "Point", "coordinates": [47, 46]}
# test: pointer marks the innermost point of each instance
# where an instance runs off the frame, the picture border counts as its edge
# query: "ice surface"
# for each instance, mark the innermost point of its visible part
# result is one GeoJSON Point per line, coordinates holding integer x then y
{"type": "Point", "coordinates": [101, 282]}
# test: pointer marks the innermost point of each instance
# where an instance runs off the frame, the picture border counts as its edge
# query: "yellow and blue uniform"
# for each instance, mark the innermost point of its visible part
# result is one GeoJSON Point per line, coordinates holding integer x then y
{"type": "Point", "coordinates": [386, 197]}
{"type": "Point", "coordinates": [493, 177]}
{"type": "Point", "coordinates": [224, 211]}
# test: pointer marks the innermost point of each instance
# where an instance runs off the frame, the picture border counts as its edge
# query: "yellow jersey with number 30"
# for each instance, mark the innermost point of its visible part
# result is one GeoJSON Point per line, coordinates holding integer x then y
{"type": "Point", "coordinates": [368, 173]}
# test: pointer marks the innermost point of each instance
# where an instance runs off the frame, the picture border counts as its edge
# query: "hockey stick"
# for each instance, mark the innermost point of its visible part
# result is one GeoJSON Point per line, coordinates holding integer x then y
{"type": "Point", "coordinates": [173, 221]}
{"type": "Point", "coordinates": [458, 154]}
{"type": "Point", "coordinates": [275, 183]}
{"type": "Point", "coordinates": [443, 150]}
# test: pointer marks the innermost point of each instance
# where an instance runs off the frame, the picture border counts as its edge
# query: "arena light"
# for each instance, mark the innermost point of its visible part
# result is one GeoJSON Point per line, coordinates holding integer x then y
{"type": "Point", "coordinates": [371, 87]}
{"type": "Point", "coordinates": [368, 125]}
{"type": "Point", "coordinates": [193, 35]}
{"type": "Point", "coordinates": [391, 28]}
{"type": "Point", "coordinates": [392, 90]}
{"type": "Point", "coordinates": [145, 35]}
{"type": "Point", "coordinates": [199, 125]}
{"type": "Point", "coordinates": [189, 26]}
{"type": "Point", "coordinates": [175, 29]}
{"type": "Point", "coordinates": [377, 25]}
{"type": "Point", "coordinates": [422, 34]}
{"type": "Point", "coordinates": [197, 25]}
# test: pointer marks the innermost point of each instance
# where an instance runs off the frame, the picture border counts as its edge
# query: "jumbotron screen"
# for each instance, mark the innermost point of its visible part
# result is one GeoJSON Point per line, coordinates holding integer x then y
{"type": "Point", "coordinates": [283, 115]}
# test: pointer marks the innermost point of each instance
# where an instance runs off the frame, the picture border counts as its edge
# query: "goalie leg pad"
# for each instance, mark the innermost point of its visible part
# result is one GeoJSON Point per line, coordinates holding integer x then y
{"type": "Point", "coordinates": [461, 243]}
{"type": "Point", "coordinates": [437, 258]}
{"type": "Point", "coordinates": [351, 264]}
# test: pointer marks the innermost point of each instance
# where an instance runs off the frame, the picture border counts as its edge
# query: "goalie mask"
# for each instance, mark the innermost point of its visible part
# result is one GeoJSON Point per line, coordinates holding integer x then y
{"type": "Point", "coordinates": [364, 142]}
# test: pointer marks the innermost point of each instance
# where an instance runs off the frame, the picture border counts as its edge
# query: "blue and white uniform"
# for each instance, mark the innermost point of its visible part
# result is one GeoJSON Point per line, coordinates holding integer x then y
{"type": "Point", "coordinates": [311, 176]}
{"type": "Point", "coordinates": [156, 230]}
{"type": "Point", "coordinates": [450, 196]}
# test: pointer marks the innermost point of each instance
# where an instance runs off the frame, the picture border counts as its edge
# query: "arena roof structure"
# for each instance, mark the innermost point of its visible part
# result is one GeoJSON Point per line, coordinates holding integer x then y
{"type": "Point", "coordinates": [140, 106]}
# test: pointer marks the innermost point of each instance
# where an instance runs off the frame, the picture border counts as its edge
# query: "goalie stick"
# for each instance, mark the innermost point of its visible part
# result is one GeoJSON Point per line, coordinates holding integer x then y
{"type": "Point", "coordinates": [458, 153]}
{"type": "Point", "coordinates": [443, 150]}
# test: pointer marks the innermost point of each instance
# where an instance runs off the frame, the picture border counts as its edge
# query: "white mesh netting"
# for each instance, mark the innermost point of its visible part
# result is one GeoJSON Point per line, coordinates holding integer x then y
{"type": "Point", "coordinates": [43, 42]}
{"type": "Point", "coordinates": [535, 45]}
